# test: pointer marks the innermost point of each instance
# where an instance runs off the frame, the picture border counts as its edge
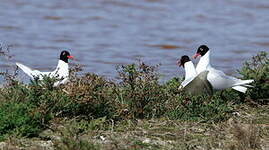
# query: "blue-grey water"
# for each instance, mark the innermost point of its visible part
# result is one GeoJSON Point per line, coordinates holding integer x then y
{"type": "Point", "coordinates": [103, 33]}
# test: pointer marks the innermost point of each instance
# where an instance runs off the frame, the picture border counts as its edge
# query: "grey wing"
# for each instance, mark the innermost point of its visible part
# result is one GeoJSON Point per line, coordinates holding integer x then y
{"type": "Point", "coordinates": [186, 82]}
{"type": "Point", "coordinates": [221, 76]}
{"type": "Point", "coordinates": [199, 85]}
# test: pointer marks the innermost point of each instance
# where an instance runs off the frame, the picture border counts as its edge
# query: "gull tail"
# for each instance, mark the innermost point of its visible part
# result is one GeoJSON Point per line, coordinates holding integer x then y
{"type": "Point", "coordinates": [243, 85]}
{"type": "Point", "coordinates": [240, 89]}
{"type": "Point", "coordinates": [246, 85]}
{"type": "Point", "coordinates": [25, 69]}
{"type": "Point", "coordinates": [244, 82]}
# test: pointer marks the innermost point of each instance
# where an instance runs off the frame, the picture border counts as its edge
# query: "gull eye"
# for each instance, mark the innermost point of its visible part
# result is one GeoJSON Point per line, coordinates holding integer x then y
{"type": "Point", "coordinates": [201, 49]}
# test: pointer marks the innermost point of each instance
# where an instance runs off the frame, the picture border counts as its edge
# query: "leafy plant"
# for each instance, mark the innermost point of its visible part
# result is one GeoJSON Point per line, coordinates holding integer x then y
{"type": "Point", "coordinates": [258, 69]}
{"type": "Point", "coordinates": [139, 91]}
{"type": "Point", "coordinates": [20, 119]}
{"type": "Point", "coordinates": [92, 96]}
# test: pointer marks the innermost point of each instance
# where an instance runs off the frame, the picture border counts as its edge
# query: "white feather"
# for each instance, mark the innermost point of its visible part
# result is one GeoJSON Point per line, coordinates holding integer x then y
{"type": "Point", "coordinates": [240, 89]}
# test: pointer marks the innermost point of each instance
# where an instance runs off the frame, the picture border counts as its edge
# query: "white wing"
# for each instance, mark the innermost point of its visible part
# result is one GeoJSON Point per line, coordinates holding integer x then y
{"type": "Point", "coordinates": [220, 80]}
{"type": "Point", "coordinates": [30, 72]}
{"type": "Point", "coordinates": [61, 72]}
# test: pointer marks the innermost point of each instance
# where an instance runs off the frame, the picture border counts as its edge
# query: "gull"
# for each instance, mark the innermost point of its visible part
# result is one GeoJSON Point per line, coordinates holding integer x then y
{"type": "Point", "coordinates": [217, 78]}
{"type": "Point", "coordinates": [61, 72]}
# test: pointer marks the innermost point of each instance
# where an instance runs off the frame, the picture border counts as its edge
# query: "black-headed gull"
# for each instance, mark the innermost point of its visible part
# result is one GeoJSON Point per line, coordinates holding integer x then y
{"type": "Point", "coordinates": [217, 78]}
{"type": "Point", "coordinates": [194, 83]}
{"type": "Point", "coordinates": [61, 72]}
{"type": "Point", "coordinates": [190, 72]}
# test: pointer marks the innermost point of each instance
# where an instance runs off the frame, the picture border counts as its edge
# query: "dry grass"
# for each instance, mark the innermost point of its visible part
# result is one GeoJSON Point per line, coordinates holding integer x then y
{"type": "Point", "coordinates": [234, 134]}
{"type": "Point", "coordinates": [244, 136]}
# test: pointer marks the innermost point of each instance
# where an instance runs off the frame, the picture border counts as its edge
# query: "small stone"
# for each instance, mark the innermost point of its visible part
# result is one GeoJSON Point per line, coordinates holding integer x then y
{"type": "Point", "coordinates": [146, 140]}
{"type": "Point", "coordinates": [102, 138]}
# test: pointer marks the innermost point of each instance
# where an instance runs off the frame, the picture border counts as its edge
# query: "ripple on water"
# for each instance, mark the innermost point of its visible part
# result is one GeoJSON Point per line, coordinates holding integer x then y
{"type": "Point", "coordinates": [8, 27]}
{"type": "Point", "coordinates": [263, 44]}
{"type": "Point", "coordinates": [52, 18]}
{"type": "Point", "coordinates": [166, 46]}
{"type": "Point", "coordinates": [63, 40]}
{"type": "Point", "coordinates": [240, 51]}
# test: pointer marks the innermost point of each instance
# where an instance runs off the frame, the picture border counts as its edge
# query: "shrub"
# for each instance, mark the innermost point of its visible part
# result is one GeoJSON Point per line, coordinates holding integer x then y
{"type": "Point", "coordinates": [26, 110]}
{"type": "Point", "coordinates": [172, 85]}
{"type": "Point", "coordinates": [257, 69]}
{"type": "Point", "coordinates": [139, 92]}
{"type": "Point", "coordinates": [92, 96]}
{"type": "Point", "coordinates": [19, 118]}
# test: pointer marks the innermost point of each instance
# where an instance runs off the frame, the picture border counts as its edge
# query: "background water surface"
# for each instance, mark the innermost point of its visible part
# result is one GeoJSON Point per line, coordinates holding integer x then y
{"type": "Point", "coordinates": [103, 33]}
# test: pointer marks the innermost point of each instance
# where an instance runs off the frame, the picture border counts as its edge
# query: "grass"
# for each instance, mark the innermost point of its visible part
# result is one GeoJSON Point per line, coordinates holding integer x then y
{"type": "Point", "coordinates": [134, 111]}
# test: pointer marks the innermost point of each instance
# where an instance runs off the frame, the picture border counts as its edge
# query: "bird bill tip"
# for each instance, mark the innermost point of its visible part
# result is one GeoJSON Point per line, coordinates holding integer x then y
{"type": "Point", "coordinates": [195, 55]}
{"type": "Point", "coordinates": [70, 57]}
{"type": "Point", "coordinates": [179, 63]}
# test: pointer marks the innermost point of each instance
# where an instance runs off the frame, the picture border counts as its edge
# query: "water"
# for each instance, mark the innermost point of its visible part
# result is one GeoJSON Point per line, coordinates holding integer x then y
{"type": "Point", "coordinates": [103, 33]}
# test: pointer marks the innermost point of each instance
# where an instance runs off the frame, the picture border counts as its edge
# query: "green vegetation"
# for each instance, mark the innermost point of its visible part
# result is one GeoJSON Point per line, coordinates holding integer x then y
{"type": "Point", "coordinates": [134, 111]}
{"type": "Point", "coordinates": [258, 69]}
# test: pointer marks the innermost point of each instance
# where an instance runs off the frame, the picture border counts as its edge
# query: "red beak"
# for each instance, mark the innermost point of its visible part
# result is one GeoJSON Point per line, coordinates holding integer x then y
{"type": "Point", "coordinates": [196, 55]}
{"type": "Point", "coordinates": [178, 63]}
{"type": "Point", "coordinates": [70, 57]}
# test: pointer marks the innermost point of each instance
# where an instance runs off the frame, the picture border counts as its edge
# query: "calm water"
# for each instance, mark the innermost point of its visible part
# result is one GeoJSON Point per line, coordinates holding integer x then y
{"type": "Point", "coordinates": [103, 33]}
